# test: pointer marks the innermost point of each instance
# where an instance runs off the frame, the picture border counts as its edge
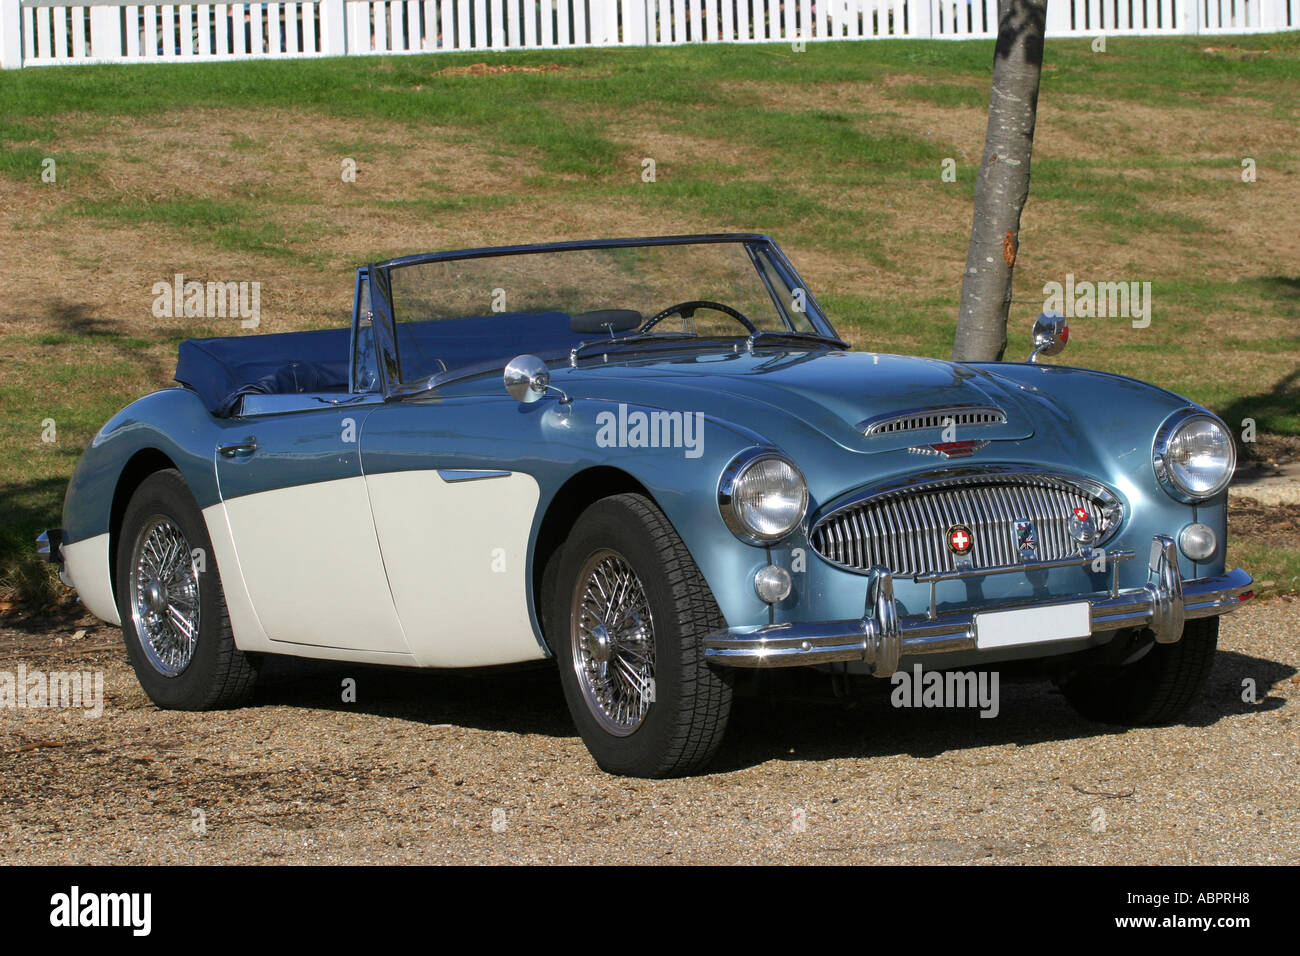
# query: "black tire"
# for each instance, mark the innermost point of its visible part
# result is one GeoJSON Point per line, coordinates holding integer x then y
{"type": "Point", "coordinates": [685, 723]}
{"type": "Point", "coordinates": [217, 674]}
{"type": "Point", "coordinates": [1155, 689]}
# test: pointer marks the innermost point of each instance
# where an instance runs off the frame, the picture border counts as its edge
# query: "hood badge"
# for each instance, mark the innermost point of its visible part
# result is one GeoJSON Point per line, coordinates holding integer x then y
{"type": "Point", "coordinates": [1026, 539]}
{"type": "Point", "coordinates": [960, 540]}
{"type": "Point", "coordinates": [1083, 529]}
{"type": "Point", "coordinates": [950, 449]}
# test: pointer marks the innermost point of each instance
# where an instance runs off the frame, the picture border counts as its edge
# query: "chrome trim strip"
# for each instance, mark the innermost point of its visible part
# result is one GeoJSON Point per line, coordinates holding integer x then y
{"type": "Point", "coordinates": [467, 474]}
{"type": "Point", "coordinates": [880, 637]}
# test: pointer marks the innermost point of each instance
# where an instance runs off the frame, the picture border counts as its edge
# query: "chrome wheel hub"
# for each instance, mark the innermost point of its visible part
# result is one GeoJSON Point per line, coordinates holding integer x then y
{"type": "Point", "coordinates": [598, 646]}
{"type": "Point", "coordinates": [612, 634]}
{"type": "Point", "coordinates": [164, 594]}
{"type": "Point", "coordinates": [155, 596]}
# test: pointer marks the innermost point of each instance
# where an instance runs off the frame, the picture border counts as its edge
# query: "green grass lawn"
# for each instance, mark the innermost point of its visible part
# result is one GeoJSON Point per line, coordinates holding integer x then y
{"type": "Point", "coordinates": [232, 171]}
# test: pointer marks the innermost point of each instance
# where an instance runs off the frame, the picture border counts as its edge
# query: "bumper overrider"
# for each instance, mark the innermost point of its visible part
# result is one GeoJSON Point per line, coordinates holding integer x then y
{"type": "Point", "coordinates": [881, 637]}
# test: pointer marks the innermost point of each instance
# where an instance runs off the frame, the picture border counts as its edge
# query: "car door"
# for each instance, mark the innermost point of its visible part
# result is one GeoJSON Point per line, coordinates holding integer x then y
{"type": "Point", "coordinates": [299, 516]}
{"type": "Point", "coordinates": [454, 520]}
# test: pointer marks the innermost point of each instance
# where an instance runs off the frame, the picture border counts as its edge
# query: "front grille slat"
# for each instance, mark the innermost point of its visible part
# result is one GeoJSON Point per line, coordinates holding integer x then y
{"type": "Point", "coordinates": [906, 529]}
{"type": "Point", "coordinates": [859, 539]}
{"type": "Point", "coordinates": [915, 521]}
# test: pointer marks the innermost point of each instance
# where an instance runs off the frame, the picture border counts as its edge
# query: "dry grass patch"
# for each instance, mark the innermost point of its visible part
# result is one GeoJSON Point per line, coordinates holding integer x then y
{"type": "Point", "coordinates": [493, 69]}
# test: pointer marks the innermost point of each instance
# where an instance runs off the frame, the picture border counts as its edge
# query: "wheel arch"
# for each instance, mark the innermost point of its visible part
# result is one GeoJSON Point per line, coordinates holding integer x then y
{"type": "Point", "coordinates": [578, 493]}
{"type": "Point", "coordinates": [143, 463]}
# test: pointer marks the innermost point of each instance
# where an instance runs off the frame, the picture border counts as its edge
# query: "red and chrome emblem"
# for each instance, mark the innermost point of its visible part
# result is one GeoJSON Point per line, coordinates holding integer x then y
{"type": "Point", "coordinates": [950, 449]}
{"type": "Point", "coordinates": [960, 539]}
{"type": "Point", "coordinates": [1082, 514]}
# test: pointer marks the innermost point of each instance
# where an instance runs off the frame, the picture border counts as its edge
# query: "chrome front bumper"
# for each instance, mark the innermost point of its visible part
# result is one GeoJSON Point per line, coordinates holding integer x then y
{"type": "Point", "coordinates": [881, 637]}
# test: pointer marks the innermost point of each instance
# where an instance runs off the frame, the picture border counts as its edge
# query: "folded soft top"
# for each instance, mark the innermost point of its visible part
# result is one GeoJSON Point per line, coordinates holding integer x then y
{"type": "Point", "coordinates": [223, 370]}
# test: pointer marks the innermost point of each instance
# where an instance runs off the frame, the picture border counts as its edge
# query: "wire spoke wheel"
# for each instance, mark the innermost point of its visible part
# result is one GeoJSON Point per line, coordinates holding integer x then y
{"type": "Point", "coordinates": [627, 618]}
{"type": "Point", "coordinates": [164, 595]}
{"type": "Point", "coordinates": [612, 633]}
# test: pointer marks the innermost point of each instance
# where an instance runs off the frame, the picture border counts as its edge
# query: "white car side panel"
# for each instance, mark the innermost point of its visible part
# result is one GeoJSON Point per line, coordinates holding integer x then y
{"type": "Point", "coordinates": [244, 624]}
{"type": "Point", "coordinates": [310, 562]}
{"type": "Point", "coordinates": [457, 559]}
{"type": "Point", "coordinates": [86, 564]}
{"type": "Point", "coordinates": [249, 636]}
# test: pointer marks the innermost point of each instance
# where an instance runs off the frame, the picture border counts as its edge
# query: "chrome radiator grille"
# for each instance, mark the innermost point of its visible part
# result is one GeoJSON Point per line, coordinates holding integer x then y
{"type": "Point", "coordinates": [906, 530]}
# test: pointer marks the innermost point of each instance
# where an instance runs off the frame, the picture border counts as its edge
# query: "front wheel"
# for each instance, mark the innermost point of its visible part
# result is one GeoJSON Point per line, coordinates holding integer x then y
{"type": "Point", "coordinates": [629, 616]}
{"type": "Point", "coordinates": [173, 611]}
{"type": "Point", "coordinates": [1156, 688]}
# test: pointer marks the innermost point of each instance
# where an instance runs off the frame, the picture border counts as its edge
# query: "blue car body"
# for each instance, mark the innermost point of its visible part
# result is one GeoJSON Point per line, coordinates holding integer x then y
{"type": "Point", "coordinates": [807, 402]}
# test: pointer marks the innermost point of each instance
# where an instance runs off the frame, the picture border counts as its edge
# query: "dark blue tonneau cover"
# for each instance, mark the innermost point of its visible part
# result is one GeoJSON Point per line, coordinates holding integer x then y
{"type": "Point", "coordinates": [223, 370]}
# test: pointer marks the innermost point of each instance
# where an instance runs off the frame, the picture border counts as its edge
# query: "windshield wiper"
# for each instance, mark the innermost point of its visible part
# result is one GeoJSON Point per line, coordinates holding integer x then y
{"type": "Point", "coordinates": [798, 336]}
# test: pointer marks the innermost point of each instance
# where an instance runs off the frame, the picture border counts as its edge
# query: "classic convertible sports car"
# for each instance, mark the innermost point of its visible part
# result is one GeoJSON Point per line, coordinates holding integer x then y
{"type": "Point", "coordinates": [687, 472]}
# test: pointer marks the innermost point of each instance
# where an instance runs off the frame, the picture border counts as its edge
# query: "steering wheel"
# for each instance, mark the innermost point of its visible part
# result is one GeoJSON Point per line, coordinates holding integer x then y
{"type": "Point", "coordinates": [687, 311]}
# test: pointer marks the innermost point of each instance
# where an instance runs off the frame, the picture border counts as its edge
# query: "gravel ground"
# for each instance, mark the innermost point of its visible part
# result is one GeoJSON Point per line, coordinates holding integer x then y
{"type": "Point", "coordinates": [430, 768]}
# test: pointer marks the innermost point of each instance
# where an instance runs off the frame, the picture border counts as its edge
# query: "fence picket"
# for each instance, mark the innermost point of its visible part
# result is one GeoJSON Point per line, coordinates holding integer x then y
{"type": "Point", "coordinates": [56, 31]}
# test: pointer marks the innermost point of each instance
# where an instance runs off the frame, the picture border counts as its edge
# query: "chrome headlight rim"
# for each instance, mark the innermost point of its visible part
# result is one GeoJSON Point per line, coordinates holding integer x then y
{"type": "Point", "coordinates": [1165, 474]}
{"type": "Point", "coordinates": [731, 477]}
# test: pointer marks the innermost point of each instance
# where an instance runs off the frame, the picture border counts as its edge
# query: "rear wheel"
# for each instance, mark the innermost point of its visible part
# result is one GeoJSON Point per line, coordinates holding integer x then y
{"type": "Point", "coordinates": [173, 610]}
{"type": "Point", "coordinates": [629, 615]}
{"type": "Point", "coordinates": [1156, 688]}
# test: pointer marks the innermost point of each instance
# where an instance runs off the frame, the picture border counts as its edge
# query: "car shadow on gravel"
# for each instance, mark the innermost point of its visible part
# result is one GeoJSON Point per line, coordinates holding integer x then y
{"type": "Point", "coordinates": [517, 699]}
{"type": "Point", "coordinates": [778, 715]}
{"type": "Point", "coordinates": [791, 715]}
{"type": "Point", "coordinates": [789, 721]}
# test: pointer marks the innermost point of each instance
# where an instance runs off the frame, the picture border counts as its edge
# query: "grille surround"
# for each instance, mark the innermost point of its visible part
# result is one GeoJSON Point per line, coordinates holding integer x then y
{"type": "Point", "coordinates": [903, 526]}
{"type": "Point", "coordinates": [936, 416]}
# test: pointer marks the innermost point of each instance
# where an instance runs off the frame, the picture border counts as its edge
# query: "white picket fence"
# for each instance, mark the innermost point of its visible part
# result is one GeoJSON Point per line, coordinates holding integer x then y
{"type": "Point", "coordinates": [47, 32]}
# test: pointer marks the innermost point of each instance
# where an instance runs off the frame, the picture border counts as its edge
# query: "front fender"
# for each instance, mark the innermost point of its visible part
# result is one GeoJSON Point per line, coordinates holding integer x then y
{"type": "Point", "coordinates": [172, 421]}
{"type": "Point", "coordinates": [171, 424]}
{"type": "Point", "coordinates": [683, 482]}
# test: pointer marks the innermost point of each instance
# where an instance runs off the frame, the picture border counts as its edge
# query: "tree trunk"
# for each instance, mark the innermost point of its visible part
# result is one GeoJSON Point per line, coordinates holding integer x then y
{"type": "Point", "coordinates": [1003, 183]}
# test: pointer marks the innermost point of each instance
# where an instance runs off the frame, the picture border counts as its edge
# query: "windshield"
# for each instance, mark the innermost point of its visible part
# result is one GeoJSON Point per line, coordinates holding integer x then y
{"type": "Point", "coordinates": [453, 313]}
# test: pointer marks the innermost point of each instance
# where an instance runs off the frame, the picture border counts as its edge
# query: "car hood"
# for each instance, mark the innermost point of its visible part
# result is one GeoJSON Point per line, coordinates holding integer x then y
{"type": "Point", "coordinates": [833, 392]}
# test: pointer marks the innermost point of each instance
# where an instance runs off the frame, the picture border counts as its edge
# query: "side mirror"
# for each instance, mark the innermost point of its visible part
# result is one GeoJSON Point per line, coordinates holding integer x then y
{"type": "Point", "coordinates": [1051, 332]}
{"type": "Point", "coordinates": [527, 378]}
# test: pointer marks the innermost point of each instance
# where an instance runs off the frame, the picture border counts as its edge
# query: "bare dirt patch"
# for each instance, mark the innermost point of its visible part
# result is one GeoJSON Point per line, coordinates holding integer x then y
{"type": "Point", "coordinates": [495, 69]}
{"type": "Point", "coordinates": [1273, 525]}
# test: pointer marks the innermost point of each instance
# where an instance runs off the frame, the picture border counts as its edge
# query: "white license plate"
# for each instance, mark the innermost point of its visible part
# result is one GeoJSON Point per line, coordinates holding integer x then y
{"type": "Point", "coordinates": [1033, 625]}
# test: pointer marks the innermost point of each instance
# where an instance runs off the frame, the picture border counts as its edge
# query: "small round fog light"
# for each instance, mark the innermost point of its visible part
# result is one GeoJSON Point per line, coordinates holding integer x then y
{"type": "Point", "coordinates": [772, 584]}
{"type": "Point", "coordinates": [1197, 541]}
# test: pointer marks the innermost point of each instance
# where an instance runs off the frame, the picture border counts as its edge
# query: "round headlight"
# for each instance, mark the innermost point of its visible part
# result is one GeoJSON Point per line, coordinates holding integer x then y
{"type": "Point", "coordinates": [762, 497]}
{"type": "Point", "coordinates": [1194, 456]}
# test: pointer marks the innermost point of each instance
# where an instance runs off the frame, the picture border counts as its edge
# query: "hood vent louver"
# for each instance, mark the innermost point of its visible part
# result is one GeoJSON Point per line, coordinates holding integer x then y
{"type": "Point", "coordinates": [960, 416]}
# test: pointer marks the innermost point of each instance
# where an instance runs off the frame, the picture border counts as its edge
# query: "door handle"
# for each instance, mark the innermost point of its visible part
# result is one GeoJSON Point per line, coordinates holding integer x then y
{"type": "Point", "coordinates": [239, 449]}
